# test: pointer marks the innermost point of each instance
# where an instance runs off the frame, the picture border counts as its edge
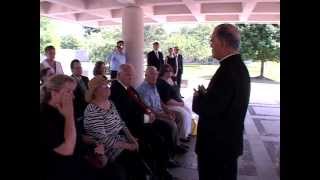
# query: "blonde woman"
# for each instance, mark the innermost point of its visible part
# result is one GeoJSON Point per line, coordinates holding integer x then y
{"type": "Point", "coordinates": [58, 131]}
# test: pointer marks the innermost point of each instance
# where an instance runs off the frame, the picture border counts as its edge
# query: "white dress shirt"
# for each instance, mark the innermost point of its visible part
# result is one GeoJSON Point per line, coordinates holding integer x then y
{"type": "Point", "coordinates": [58, 69]}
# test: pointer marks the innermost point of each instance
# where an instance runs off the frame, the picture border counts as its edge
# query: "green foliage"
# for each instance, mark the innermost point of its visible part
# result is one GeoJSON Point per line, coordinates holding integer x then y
{"type": "Point", "coordinates": [101, 43]}
{"type": "Point", "coordinates": [70, 42]}
{"type": "Point", "coordinates": [192, 42]}
{"type": "Point", "coordinates": [89, 30]}
{"type": "Point", "coordinates": [153, 33]}
{"type": "Point", "coordinates": [48, 35]}
{"type": "Point", "coordinates": [260, 42]}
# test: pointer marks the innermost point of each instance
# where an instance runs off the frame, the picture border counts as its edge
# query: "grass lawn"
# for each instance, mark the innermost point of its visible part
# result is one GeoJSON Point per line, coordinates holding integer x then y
{"type": "Point", "coordinates": [271, 70]}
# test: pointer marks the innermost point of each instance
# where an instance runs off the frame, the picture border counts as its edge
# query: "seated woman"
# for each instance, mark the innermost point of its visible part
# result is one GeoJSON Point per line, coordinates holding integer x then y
{"type": "Point", "coordinates": [45, 73]}
{"type": "Point", "coordinates": [58, 131]}
{"type": "Point", "coordinates": [100, 69]}
{"type": "Point", "coordinates": [103, 123]}
{"type": "Point", "coordinates": [170, 97]}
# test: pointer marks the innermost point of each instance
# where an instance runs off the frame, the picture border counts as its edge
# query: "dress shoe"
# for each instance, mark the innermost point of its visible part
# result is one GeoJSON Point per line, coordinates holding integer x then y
{"type": "Point", "coordinates": [181, 150]}
{"type": "Point", "coordinates": [184, 146]}
{"type": "Point", "coordinates": [185, 140]}
{"type": "Point", "coordinates": [173, 164]}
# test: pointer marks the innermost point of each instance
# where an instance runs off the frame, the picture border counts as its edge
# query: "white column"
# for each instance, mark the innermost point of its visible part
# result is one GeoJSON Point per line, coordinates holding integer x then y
{"type": "Point", "coordinates": [133, 36]}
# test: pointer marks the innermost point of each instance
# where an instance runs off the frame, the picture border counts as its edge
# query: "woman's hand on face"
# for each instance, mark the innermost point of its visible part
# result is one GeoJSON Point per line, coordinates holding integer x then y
{"type": "Point", "coordinates": [66, 106]}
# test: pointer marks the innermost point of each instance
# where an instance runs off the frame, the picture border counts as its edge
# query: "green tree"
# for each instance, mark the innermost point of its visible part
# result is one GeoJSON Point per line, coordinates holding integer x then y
{"type": "Point", "coordinates": [101, 43]}
{"type": "Point", "coordinates": [153, 33]}
{"type": "Point", "coordinates": [70, 42]}
{"type": "Point", "coordinates": [48, 35]}
{"type": "Point", "coordinates": [89, 30]}
{"type": "Point", "coordinates": [260, 42]}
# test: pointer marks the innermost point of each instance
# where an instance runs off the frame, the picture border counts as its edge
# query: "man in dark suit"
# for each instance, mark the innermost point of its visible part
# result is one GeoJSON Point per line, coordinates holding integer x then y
{"type": "Point", "coordinates": [139, 118]}
{"type": "Point", "coordinates": [82, 86]}
{"type": "Point", "coordinates": [179, 71]}
{"type": "Point", "coordinates": [155, 57]}
{"type": "Point", "coordinates": [222, 109]}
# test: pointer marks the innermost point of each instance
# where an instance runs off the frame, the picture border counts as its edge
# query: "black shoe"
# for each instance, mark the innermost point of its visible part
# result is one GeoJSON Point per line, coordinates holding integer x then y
{"type": "Point", "coordinates": [181, 150]}
{"type": "Point", "coordinates": [173, 164]}
{"type": "Point", "coordinates": [184, 146]}
{"type": "Point", "coordinates": [181, 97]}
{"type": "Point", "coordinates": [167, 176]}
{"type": "Point", "coordinates": [185, 140]}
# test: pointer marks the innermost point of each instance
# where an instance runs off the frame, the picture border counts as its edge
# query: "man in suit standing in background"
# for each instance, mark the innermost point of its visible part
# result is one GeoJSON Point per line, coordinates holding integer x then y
{"type": "Point", "coordinates": [222, 108]}
{"type": "Point", "coordinates": [179, 71]}
{"type": "Point", "coordinates": [155, 57]}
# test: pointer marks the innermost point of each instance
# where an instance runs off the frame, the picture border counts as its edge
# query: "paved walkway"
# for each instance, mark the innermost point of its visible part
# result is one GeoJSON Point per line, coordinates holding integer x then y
{"type": "Point", "coordinates": [261, 138]}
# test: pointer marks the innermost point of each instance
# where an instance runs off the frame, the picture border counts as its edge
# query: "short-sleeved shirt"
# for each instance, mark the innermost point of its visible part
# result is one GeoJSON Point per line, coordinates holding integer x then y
{"type": "Point", "coordinates": [105, 126]}
{"type": "Point", "coordinates": [117, 60]}
{"type": "Point", "coordinates": [150, 96]}
{"type": "Point", "coordinates": [166, 91]}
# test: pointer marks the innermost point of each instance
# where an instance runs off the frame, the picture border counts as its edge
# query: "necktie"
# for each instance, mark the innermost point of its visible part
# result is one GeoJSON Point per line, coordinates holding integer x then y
{"type": "Point", "coordinates": [132, 94]}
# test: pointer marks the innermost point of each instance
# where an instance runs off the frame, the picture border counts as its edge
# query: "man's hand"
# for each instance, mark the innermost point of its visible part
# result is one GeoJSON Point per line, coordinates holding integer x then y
{"type": "Point", "coordinates": [152, 117]}
{"type": "Point", "coordinates": [99, 149]}
{"type": "Point", "coordinates": [132, 146]}
{"type": "Point", "coordinates": [195, 92]}
{"type": "Point", "coordinates": [172, 115]}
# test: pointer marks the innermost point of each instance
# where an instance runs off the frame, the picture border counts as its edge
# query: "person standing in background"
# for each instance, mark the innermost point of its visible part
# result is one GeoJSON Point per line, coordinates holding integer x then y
{"type": "Point", "coordinates": [179, 68]}
{"type": "Point", "coordinates": [155, 57]}
{"type": "Point", "coordinates": [49, 62]}
{"type": "Point", "coordinates": [117, 59]}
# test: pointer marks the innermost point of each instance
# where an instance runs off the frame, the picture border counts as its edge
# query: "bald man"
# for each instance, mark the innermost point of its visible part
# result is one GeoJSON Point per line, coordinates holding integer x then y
{"type": "Point", "coordinates": [139, 118]}
{"type": "Point", "coordinates": [222, 108]}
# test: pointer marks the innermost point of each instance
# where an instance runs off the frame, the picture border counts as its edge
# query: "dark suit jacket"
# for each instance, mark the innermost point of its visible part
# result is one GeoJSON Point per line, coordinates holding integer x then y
{"type": "Point", "coordinates": [79, 101]}
{"type": "Point", "coordinates": [180, 64]}
{"type": "Point", "coordinates": [222, 110]}
{"type": "Point", "coordinates": [152, 59]}
{"type": "Point", "coordinates": [130, 111]}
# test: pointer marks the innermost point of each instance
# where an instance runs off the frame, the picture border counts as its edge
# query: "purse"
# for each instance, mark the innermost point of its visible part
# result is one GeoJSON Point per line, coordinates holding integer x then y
{"type": "Point", "coordinates": [95, 160]}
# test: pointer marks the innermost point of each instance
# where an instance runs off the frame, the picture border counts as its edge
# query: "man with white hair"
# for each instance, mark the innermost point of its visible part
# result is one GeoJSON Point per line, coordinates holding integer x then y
{"type": "Point", "coordinates": [165, 121]}
{"type": "Point", "coordinates": [139, 119]}
{"type": "Point", "coordinates": [222, 108]}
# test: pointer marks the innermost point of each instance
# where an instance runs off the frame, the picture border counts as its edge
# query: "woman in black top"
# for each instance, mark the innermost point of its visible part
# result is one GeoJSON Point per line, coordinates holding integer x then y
{"type": "Point", "coordinates": [172, 100]}
{"type": "Point", "coordinates": [171, 60]}
{"type": "Point", "coordinates": [45, 73]}
{"type": "Point", "coordinates": [58, 132]}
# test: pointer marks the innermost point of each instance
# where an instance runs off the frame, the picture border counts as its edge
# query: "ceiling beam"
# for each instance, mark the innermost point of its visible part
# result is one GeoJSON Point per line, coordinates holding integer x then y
{"type": "Point", "coordinates": [247, 8]}
{"type": "Point", "coordinates": [73, 4]}
{"type": "Point", "coordinates": [195, 9]}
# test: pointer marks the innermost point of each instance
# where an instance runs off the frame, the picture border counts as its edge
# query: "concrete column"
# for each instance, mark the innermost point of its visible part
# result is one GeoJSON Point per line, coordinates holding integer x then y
{"type": "Point", "coordinates": [133, 36]}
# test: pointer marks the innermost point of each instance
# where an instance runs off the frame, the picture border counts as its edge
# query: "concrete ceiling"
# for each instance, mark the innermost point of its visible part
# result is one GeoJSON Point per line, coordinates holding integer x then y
{"type": "Point", "coordinates": [100, 13]}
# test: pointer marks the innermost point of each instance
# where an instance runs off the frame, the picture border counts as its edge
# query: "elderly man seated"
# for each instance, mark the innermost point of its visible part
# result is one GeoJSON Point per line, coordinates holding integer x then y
{"type": "Point", "coordinates": [139, 118]}
{"type": "Point", "coordinates": [164, 117]}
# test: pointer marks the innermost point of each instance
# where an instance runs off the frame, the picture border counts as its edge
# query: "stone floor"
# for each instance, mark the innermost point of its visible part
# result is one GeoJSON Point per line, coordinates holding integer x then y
{"type": "Point", "coordinates": [261, 137]}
